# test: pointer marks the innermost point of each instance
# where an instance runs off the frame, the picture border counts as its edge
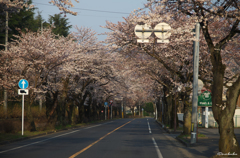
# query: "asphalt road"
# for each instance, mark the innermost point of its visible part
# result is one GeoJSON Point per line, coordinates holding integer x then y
{"type": "Point", "coordinates": [123, 138]}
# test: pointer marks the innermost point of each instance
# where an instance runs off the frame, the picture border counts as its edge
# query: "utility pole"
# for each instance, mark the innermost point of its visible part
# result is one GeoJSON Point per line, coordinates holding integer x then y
{"type": "Point", "coordinates": [122, 108]}
{"type": "Point", "coordinates": [40, 104]}
{"type": "Point", "coordinates": [6, 44]}
{"type": "Point", "coordinates": [175, 109]}
{"type": "Point", "coordinates": [139, 109]}
{"type": "Point", "coordinates": [111, 110]}
{"type": "Point", "coordinates": [106, 106]}
{"type": "Point", "coordinates": [156, 108]}
{"type": "Point", "coordinates": [195, 84]}
{"type": "Point", "coordinates": [41, 27]}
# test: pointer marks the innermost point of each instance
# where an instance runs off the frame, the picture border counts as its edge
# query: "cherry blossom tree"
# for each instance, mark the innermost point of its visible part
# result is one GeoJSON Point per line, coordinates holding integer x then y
{"type": "Point", "coordinates": [64, 5]}
{"type": "Point", "coordinates": [208, 13]}
{"type": "Point", "coordinates": [172, 59]}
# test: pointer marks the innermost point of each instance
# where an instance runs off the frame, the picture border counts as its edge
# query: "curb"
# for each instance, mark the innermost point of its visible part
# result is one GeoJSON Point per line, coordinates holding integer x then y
{"type": "Point", "coordinates": [183, 142]}
{"type": "Point", "coordinates": [179, 139]}
{"type": "Point", "coordinates": [166, 129]}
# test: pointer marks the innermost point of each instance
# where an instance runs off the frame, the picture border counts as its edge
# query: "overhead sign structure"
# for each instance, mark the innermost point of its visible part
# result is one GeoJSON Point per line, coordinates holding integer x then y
{"type": "Point", "coordinates": [143, 32]}
{"type": "Point", "coordinates": [161, 30]}
{"type": "Point", "coordinates": [23, 84]}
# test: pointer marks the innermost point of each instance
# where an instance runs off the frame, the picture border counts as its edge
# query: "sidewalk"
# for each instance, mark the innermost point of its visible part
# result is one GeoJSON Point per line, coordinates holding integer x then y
{"type": "Point", "coordinates": [207, 146]}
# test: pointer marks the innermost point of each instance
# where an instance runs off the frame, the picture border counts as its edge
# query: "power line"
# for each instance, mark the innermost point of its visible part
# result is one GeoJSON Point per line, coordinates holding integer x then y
{"type": "Point", "coordinates": [93, 10]}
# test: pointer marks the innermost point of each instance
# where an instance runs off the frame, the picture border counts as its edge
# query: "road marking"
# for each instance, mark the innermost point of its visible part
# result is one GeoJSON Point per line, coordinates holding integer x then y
{"type": "Point", "coordinates": [98, 125]}
{"type": "Point", "coordinates": [89, 146]}
{"type": "Point", "coordinates": [38, 142]}
{"type": "Point", "coordinates": [157, 149]}
{"type": "Point", "coordinates": [149, 128]}
{"type": "Point", "coordinates": [49, 138]}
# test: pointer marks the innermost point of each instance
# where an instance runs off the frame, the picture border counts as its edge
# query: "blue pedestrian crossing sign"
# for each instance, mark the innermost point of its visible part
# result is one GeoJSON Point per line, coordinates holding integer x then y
{"type": "Point", "coordinates": [23, 84]}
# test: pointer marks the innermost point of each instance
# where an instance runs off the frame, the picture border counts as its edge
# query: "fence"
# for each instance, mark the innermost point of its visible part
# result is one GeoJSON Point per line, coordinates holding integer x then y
{"type": "Point", "coordinates": [211, 120]}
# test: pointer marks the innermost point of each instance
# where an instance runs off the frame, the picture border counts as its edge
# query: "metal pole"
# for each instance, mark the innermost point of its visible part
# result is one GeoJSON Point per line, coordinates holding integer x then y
{"type": "Point", "coordinates": [162, 109]}
{"type": "Point", "coordinates": [40, 104]}
{"type": "Point", "coordinates": [195, 84]}
{"type": "Point", "coordinates": [122, 108]}
{"type": "Point", "coordinates": [156, 112]}
{"type": "Point", "coordinates": [41, 27]}
{"type": "Point", "coordinates": [111, 111]}
{"type": "Point", "coordinates": [206, 117]}
{"type": "Point", "coordinates": [6, 43]}
{"type": "Point", "coordinates": [175, 110]}
{"type": "Point", "coordinates": [22, 114]}
{"type": "Point", "coordinates": [105, 112]}
{"type": "Point", "coordinates": [139, 109]}
{"type": "Point", "coordinates": [175, 113]}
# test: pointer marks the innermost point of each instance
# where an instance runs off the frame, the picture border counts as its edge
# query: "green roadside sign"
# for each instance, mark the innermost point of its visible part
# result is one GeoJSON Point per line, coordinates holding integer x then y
{"type": "Point", "coordinates": [205, 99]}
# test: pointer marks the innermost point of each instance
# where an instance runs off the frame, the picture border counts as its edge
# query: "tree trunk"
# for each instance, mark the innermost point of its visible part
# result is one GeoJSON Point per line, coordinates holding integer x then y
{"type": "Point", "coordinates": [174, 113]}
{"type": "Point", "coordinates": [228, 141]}
{"type": "Point", "coordinates": [224, 115]}
{"type": "Point", "coordinates": [187, 117]}
{"type": "Point", "coordinates": [169, 111]}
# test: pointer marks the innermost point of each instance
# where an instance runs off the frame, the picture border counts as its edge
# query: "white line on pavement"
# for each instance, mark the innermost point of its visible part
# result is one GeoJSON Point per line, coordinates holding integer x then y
{"type": "Point", "coordinates": [49, 138]}
{"type": "Point", "coordinates": [149, 128]}
{"type": "Point", "coordinates": [157, 149]}
{"type": "Point", "coordinates": [98, 125]}
{"type": "Point", "coordinates": [38, 142]}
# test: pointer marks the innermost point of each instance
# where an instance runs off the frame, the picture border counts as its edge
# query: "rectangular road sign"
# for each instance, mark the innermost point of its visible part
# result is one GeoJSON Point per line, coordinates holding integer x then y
{"type": "Point", "coordinates": [22, 91]}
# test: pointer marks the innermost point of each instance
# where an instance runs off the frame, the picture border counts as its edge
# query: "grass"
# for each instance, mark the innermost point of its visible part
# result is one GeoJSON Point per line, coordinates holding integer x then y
{"type": "Point", "coordinates": [178, 128]}
{"type": "Point", "coordinates": [13, 136]}
{"type": "Point", "coordinates": [186, 136]}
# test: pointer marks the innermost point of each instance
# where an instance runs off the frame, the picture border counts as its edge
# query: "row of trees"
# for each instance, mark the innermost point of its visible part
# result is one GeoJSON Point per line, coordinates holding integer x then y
{"type": "Point", "coordinates": [75, 67]}
{"type": "Point", "coordinates": [171, 64]}
{"type": "Point", "coordinates": [25, 19]}
{"type": "Point", "coordinates": [65, 70]}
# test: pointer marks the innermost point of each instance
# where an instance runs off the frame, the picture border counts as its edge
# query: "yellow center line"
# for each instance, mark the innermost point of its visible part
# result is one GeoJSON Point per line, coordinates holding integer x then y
{"type": "Point", "coordinates": [89, 146]}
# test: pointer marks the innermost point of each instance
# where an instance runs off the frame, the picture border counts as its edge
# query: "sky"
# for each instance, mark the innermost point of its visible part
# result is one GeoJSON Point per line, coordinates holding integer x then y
{"type": "Point", "coordinates": [92, 13]}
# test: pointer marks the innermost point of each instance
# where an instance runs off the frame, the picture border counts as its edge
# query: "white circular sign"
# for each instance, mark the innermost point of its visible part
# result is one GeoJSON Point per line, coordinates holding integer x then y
{"type": "Point", "coordinates": [162, 30]}
{"type": "Point", "coordinates": [143, 31]}
{"type": "Point", "coordinates": [200, 85]}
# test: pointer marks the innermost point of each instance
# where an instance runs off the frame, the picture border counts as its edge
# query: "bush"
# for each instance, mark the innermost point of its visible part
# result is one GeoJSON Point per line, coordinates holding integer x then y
{"type": "Point", "coordinates": [7, 127]}
{"type": "Point", "coordinates": [16, 111]}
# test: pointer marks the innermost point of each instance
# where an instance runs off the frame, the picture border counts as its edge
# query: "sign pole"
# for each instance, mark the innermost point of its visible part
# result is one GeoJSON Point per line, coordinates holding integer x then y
{"type": "Point", "coordinates": [23, 84]}
{"type": "Point", "coordinates": [111, 111]}
{"type": "Point", "coordinates": [22, 114]}
{"type": "Point", "coordinates": [108, 112]}
{"type": "Point", "coordinates": [105, 113]}
{"type": "Point", "coordinates": [206, 117]}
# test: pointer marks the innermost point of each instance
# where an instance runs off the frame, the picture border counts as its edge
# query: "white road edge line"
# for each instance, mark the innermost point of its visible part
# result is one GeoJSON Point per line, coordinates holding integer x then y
{"type": "Point", "coordinates": [149, 128]}
{"type": "Point", "coordinates": [157, 149]}
{"type": "Point", "coordinates": [49, 138]}
{"type": "Point", "coordinates": [37, 142]}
